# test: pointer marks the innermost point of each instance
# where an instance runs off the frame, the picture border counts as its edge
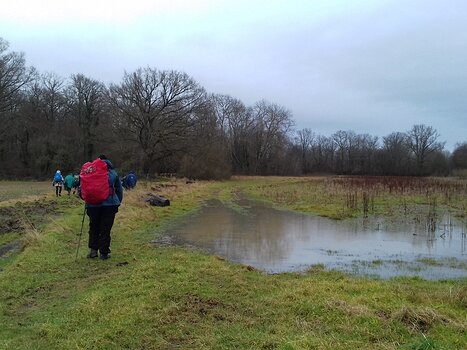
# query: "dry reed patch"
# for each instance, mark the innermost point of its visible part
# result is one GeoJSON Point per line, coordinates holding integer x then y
{"type": "Point", "coordinates": [32, 237]}
{"type": "Point", "coordinates": [348, 309]}
{"type": "Point", "coordinates": [422, 319]}
{"type": "Point", "coordinates": [459, 296]}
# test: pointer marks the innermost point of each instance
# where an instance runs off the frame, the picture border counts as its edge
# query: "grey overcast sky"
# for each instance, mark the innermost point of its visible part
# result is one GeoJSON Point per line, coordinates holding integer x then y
{"type": "Point", "coordinates": [373, 67]}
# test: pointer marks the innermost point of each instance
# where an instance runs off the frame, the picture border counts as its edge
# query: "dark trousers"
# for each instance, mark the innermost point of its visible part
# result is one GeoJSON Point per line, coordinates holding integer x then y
{"type": "Point", "coordinates": [58, 190]}
{"type": "Point", "coordinates": [101, 220]}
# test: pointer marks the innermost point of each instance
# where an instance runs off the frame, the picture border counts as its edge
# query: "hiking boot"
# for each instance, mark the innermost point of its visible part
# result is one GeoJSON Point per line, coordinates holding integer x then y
{"type": "Point", "coordinates": [92, 254]}
{"type": "Point", "coordinates": [104, 256]}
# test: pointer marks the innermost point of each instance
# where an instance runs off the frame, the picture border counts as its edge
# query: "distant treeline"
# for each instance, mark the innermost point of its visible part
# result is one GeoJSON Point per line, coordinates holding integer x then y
{"type": "Point", "coordinates": [164, 122]}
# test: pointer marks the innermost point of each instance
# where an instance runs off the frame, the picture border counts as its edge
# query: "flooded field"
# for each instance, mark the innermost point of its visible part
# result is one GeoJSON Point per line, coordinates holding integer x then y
{"type": "Point", "coordinates": [279, 241]}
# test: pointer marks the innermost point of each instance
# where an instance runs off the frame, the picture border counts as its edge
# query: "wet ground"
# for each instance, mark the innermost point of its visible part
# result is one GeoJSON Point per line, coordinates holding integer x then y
{"type": "Point", "coordinates": [15, 220]}
{"type": "Point", "coordinates": [279, 241]}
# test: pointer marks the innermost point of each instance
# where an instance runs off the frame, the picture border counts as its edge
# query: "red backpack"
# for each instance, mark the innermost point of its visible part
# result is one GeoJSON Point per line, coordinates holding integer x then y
{"type": "Point", "coordinates": [94, 181]}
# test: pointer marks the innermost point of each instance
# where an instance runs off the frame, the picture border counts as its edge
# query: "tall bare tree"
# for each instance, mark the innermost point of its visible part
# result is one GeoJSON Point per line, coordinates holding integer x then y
{"type": "Point", "coordinates": [342, 141]}
{"type": "Point", "coordinates": [395, 154]}
{"type": "Point", "coordinates": [155, 108]}
{"type": "Point", "coordinates": [15, 134]}
{"type": "Point", "coordinates": [14, 75]}
{"type": "Point", "coordinates": [305, 139]}
{"type": "Point", "coordinates": [52, 100]}
{"type": "Point", "coordinates": [323, 154]}
{"type": "Point", "coordinates": [272, 126]}
{"type": "Point", "coordinates": [423, 140]}
{"type": "Point", "coordinates": [236, 122]}
{"type": "Point", "coordinates": [365, 149]}
{"type": "Point", "coordinates": [459, 156]}
{"type": "Point", "coordinates": [207, 157]}
{"type": "Point", "coordinates": [87, 103]}
{"type": "Point", "coordinates": [42, 112]}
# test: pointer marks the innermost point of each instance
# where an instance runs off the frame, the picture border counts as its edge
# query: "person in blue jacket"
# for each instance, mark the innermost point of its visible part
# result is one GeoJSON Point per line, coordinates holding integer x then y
{"type": "Point", "coordinates": [129, 181]}
{"type": "Point", "coordinates": [58, 183]}
{"type": "Point", "coordinates": [102, 216]}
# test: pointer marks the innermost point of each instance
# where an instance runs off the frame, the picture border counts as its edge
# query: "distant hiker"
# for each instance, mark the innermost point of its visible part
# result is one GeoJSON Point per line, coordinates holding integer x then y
{"type": "Point", "coordinates": [102, 191]}
{"type": "Point", "coordinates": [75, 182]}
{"type": "Point", "coordinates": [129, 181]}
{"type": "Point", "coordinates": [58, 183]}
{"type": "Point", "coordinates": [68, 183]}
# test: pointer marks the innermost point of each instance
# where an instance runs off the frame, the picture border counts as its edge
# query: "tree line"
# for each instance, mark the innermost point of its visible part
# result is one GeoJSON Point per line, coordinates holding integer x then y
{"type": "Point", "coordinates": [157, 121]}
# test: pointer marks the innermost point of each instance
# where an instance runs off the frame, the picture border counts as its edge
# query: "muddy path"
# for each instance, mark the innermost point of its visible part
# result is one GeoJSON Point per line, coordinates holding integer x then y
{"type": "Point", "coordinates": [17, 219]}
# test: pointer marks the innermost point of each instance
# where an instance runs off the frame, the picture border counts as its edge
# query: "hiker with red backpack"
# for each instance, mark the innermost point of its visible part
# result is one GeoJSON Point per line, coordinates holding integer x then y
{"type": "Point", "coordinates": [102, 191]}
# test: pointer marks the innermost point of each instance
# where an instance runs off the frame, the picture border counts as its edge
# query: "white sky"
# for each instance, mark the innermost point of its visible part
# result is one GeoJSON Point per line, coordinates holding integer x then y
{"type": "Point", "coordinates": [370, 66]}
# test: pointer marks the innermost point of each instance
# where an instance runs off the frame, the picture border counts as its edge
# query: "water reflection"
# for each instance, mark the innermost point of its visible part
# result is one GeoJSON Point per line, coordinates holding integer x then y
{"type": "Point", "coordinates": [279, 241]}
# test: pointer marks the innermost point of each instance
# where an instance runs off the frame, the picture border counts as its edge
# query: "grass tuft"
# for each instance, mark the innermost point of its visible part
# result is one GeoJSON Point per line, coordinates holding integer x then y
{"type": "Point", "coordinates": [420, 319]}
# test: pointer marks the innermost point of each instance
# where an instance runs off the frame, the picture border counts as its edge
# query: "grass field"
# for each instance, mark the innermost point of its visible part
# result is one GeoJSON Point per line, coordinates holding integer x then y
{"type": "Point", "coordinates": [155, 296]}
{"type": "Point", "coordinates": [344, 197]}
{"type": "Point", "coordinates": [23, 190]}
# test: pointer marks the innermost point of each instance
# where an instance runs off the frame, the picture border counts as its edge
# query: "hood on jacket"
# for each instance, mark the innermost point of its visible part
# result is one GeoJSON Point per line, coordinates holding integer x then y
{"type": "Point", "coordinates": [109, 163]}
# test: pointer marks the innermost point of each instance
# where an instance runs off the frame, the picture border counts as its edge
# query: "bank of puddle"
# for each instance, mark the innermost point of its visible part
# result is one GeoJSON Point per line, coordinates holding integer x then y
{"type": "Point", "coordinates": [278, 241]}
{"type": "Point", "coordinates": [16, 219]}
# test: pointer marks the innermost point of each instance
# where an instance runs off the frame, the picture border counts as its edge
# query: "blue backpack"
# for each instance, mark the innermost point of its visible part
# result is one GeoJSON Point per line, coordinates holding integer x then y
{"type": "Point", "coordinates": [58, 177]}
{"type": "Point", "coordinates": [130, 180]}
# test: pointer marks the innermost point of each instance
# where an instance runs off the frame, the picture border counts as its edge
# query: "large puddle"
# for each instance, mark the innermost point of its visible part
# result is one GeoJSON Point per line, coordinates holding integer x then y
{"type": "Point", "coordinates": [279, 241]}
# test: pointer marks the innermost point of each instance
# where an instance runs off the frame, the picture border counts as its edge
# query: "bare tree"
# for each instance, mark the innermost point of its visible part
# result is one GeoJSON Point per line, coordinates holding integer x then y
{"type": "Point", "coordinates": [305, 138]}
{"type": "Point", "coordinates": [156, 108]}
{"type": "Point", "coordinates": [40, 118]}
{"type": "Point", "coordinates": [52, 100]}
{"type": "Point", "coordinates": [224, 108]}
{"type": "Point", "coordinates": [395, 154]}
{"type": "Point", "coordinates": [459, 156]}
{"type": "Point", "coordinates": [240, 130]}
{"type": "Point", "coordinates": [14, 75]}
{"type": "Point", "coordinates": [272, 125]}
{"type": "Point", "coordinates": [207, 157]}
{"type": "Point", "coordinates": [342, 142]}
{"type": "Point", "coordinates": [323, 153]}
{"type": "Point", "coordinates": [366, 147]}
{"type": "Point", "coordinates": [87, 103]}
{"type": "Point", "coordinates": [423, 140]}
{"type": "Point", "coordinates": [237, 124]}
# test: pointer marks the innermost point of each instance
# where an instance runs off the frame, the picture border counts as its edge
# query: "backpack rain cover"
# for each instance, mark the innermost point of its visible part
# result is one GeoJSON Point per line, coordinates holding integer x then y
{"type": "Point", "coordinates": [94, 181]}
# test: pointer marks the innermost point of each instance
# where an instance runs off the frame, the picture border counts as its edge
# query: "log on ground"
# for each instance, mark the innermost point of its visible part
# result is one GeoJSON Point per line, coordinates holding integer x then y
{"type": "Point", "coordinates": [157, 201]}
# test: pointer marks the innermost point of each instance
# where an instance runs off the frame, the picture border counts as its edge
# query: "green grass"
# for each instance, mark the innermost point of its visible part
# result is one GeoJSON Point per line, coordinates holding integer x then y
{"type": "Point", "coordinates": [20, 190]}
{"type": "Point", "coordinates": [150, 296]}
{"type": "Point", "coordinates": [8, 237]}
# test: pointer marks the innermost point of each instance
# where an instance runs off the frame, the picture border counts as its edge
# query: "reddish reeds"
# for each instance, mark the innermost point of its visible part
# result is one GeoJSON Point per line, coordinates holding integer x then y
{"type": "Point", "coordinates": [361, 193]}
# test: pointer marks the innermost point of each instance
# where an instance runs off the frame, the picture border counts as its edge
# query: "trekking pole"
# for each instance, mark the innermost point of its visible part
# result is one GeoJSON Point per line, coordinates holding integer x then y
{"type": "Point", "coordinates": [80, 233]}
